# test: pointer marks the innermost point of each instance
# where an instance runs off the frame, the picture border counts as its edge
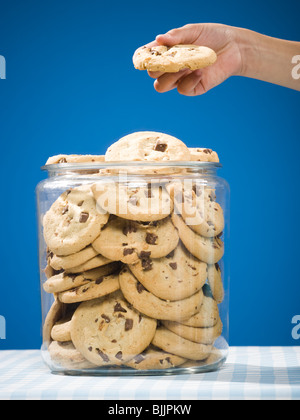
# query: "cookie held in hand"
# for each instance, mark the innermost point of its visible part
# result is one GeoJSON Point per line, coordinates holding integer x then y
{"type": "Point", "coordinates": [173, 59]}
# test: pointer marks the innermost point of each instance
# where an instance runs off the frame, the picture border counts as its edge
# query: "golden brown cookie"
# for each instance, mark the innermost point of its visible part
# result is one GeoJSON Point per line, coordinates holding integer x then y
{"type": "Point", "coordinates": [109, 331]}
{"type": "Point", "coordinates": [173, 59]}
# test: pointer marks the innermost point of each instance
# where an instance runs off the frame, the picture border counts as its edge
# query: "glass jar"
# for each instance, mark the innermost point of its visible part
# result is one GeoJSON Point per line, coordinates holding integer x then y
{"type": "Point", "coordinates": [134, 273]}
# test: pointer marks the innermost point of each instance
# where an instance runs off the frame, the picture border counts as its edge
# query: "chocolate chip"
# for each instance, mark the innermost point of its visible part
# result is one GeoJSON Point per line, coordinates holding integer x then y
{"type": "Point", "coordinates": [145, 254]}
{"type": "Point", "coordinates": [119, 355]}
{"type": "Point", "coordinates": [140, 288]}
{"type": "Point", "coordinates": [104, 356]}
{"type": "Point", "coordinates": [147, 264]}
{"type": "Point", "coordinates": [106, 318]}
{"type": "Point", "coordinates": [128, 251]}
{"type": "Point", "coordinates": [119, 308]}
{"type": "Point", "coordinates": [128, 324]}
{"type": "Point", "coordinates": [151, 239]}
{"type": "Point", "coordinates": [173, 266]}
{"type": "Point", "coordinates": [80, 204]}
{"type": "Point", "coordinates": [62, 160]}
{"type": "Point", "coordinates": [139, 358]}
{"type": "Point", "coordinates": [129, 228]}
{"type": "Point", "coordinates": [171, 255]}
{"type": "Point", "coordinates": [217, 267]}
{"type": "Point", "coordinates": [83, 217]}
{"type": "Point", "coordinates": [161, 147]}
{"type": "Point", "coordinates": [99, 281]}
{"type": "Point", "coordinates": [90, 348]}
{"type": "Point", "coordinates": [207, 151]}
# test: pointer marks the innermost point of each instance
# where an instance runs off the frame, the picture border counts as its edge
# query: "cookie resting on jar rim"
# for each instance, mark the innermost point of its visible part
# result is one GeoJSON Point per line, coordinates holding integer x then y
{"type": "Point", "coordinates": [134, 262]}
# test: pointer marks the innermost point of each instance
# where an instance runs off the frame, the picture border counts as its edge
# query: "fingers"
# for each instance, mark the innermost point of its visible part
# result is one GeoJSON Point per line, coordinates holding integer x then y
{"type": "Point", "coordinates": [190, 85]}
{"type": "Point", "coordinates": [169, 81]}
{"type": "Point", "coordinates": [187, 83]}
{"type": "Point", "coordinates": [155, 74]}
{"type": "Point", "coordinates": [187, 34]}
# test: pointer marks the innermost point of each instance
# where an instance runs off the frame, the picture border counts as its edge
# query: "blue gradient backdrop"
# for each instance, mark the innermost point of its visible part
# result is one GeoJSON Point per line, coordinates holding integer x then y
{"type": "Point", "coordinates": [71, 88]}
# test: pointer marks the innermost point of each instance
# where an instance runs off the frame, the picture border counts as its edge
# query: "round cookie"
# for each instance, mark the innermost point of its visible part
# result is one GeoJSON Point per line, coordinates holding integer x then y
{"type": "Point", "coordinates": [209, 250]}
{"type": "Point", "coordinates": [197, 207]}
{"type": "Point", "coordinates": [215, 282]}
{"type": "Point", "coordinates": [206, 335]}
{"type": "Point", "coordinates": [174, 277]}
{"type": "Point", "coordinates": [56, 312]}
{"type": "Point", "coordinates": [127, 241]}
{"type": "Point", "coordinates": [73, 260]}
{"type": "Point", "coordinates": [146, 204]}
{"type": "Point", "coordinates": [208, 316]}
{"type": "Point", "coordinates": [73, 222]}
{"type": "Point", "coordinates": [96, 262]}
{"type": "Point", "coordinates": [150, 305]}
{"type": "Point", "coordinates": [155, 359]}
{"type": "Point", "coordinates": [171, 342]}
{"type": "Point", "coordinates": [66, 356]}
{"type": "Point", "coordinates": [54, 160]}
{"type": "Point", "coordinates": [147, 146]}
{"type": "Point", "coordinates": [109, 331]}
{"type": "Point", "coordinates": [66, 281]}
{"type": "Point", "coordinates": [214, 357]}
{"type": "Point", "coordinates": [173, 59]}
{"type": "Point", "coordinates": [61, 331]}
{"type": "Point", "coordinates": [92, 290]}
{"type": "Point", "coordinates": [200, 154]}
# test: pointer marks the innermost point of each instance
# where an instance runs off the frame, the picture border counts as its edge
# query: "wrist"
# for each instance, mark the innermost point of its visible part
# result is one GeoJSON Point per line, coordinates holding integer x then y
{"type": "Point", "coordinates": [266, 58]}
{"type": "Point", "coordinates": [249, 44]}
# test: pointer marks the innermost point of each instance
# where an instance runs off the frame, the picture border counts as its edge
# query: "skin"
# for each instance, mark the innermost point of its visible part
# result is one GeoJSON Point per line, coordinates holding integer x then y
{"type": "Point", "coordinates": [241, 52]}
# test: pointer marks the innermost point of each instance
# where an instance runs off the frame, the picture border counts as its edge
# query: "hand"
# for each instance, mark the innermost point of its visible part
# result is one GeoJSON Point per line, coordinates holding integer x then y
{"type": "Point", "coordinates": [240, 52]}
{"type": "Point", "coordinates": [221, 38]}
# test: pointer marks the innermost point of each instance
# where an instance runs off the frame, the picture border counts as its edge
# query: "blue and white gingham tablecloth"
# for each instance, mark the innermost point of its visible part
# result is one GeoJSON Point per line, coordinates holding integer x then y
{"type": "Point", "coordinates": [249, 373]}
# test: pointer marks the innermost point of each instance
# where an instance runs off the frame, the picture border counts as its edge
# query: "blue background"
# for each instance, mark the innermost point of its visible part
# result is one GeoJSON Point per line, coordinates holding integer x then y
{"type": "Point", "coordinates": [71, 88]}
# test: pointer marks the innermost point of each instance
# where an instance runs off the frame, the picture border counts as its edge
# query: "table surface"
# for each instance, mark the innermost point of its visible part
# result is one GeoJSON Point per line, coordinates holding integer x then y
{"type": "Point", "coordinates": [249, 373]}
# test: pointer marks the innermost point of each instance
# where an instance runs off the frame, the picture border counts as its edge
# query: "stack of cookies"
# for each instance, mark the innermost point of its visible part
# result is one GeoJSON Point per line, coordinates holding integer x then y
{"type": "Point", "coordinates": [133, 265]}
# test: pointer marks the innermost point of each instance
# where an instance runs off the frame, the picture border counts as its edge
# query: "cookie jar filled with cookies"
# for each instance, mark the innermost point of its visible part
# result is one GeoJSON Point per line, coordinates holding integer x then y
{"type": "Point", "coordinates": [133, 251]}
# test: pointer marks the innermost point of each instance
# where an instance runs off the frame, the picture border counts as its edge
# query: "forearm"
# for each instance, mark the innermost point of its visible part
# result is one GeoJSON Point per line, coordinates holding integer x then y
{"type": "Point", "coordinates": [269, 59]}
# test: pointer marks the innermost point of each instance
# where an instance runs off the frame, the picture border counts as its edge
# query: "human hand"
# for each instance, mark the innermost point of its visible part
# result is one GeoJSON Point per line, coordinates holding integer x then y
{"type": "Point", "coordinates": [221, 38]}
{"type": "Point", "coordinates": [241, 52]}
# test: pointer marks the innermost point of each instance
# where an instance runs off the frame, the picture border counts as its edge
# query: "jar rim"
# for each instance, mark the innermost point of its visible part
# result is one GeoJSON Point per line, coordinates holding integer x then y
{"type": "Point", "coordinates": [130, 164]}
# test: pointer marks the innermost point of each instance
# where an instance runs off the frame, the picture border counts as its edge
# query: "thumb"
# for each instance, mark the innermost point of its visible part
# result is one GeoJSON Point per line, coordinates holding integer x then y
{"type": "Point", "coordinates": [187, 34]}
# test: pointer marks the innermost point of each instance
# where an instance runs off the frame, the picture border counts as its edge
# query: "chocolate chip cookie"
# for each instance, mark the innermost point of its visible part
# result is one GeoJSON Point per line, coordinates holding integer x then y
{"type": "Point", "coordinates": [149, 304]}
{"type": "Point", "coordinates": [128, 241]}
{"type": "Point", "coordinates": [73, 222]}
{"type": "Point", "coordinates": [174, 277]}
{"type": "Point", "coordinates": [108, 331]}
{"type": "Point", "coordinates": [148, 146]}
{"type": "Point", "coordinates": [173, 59]}
{"type": "Point", "coordinates": [145, 204]}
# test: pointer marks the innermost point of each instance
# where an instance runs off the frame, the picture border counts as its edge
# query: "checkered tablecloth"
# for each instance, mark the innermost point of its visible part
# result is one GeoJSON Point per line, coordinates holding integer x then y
{"type": "Point", "coordinates": [249, 373]}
